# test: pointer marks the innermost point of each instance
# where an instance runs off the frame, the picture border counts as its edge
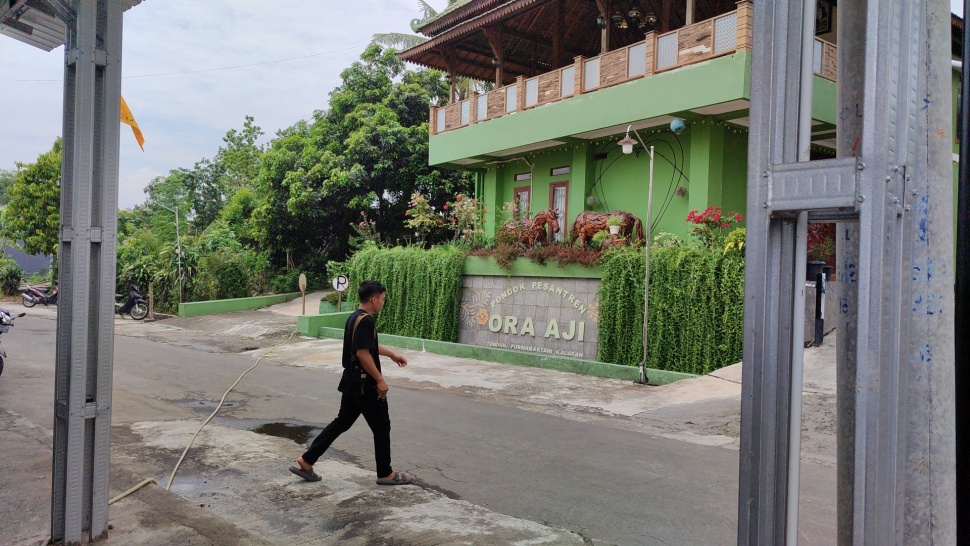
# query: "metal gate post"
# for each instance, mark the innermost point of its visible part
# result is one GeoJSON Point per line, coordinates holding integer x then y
{"type": "Point", "coordinates": [89, 203]}
{"type": "Point", "coordinates": [876, 190]}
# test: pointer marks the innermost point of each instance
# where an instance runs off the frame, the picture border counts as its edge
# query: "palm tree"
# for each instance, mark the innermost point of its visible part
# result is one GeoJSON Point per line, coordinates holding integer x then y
{"type": "Point", "coordinates": [401, 41]}
{"type": "Point", "coordinates": [462, 87]}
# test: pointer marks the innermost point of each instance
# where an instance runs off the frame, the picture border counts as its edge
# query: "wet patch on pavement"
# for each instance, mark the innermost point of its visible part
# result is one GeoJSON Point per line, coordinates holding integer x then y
{"type": "Point", "coordinates": [301, 434]}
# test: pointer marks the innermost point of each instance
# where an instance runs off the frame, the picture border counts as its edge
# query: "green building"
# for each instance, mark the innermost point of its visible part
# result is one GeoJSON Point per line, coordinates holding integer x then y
{"type": "Point", "coordinates": [569, 79]}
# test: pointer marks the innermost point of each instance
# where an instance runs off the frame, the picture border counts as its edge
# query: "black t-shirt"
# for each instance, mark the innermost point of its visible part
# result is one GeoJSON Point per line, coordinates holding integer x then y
{"type": "Point", "coordinates": [365, 338]}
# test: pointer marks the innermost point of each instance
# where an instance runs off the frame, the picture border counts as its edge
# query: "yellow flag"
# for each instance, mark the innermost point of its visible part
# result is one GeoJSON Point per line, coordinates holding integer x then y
{"type": "Point", "coordinates": [129, 120]}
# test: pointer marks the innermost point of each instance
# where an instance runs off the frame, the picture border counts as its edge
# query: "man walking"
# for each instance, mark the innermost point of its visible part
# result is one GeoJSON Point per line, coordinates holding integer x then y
{"type": "Point", "coordinates": [364, 390]}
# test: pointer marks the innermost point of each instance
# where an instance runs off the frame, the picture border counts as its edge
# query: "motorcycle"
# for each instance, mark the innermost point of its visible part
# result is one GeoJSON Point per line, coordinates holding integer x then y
{"type": "Point", "coordinates": [33, 295]}
{"type": "Point", "coordinates": [135, 306]}
{"type": "Point", "coordinates": [6, 321]}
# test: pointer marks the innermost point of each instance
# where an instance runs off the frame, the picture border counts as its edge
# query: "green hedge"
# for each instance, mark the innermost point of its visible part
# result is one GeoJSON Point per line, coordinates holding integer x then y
{"type": "Point", "coordinates": [423, 289]}
{"type": "Point", "coordinates": [696, 308]}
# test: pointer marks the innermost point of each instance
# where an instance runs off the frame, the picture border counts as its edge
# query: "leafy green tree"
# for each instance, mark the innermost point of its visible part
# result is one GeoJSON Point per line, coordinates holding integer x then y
{"type": "Point", "coordinates": [33, 213]}
{"type": "Point", "coordinates": [201, 192]}
{"type": "Point", "coordinates": [366, 153]}
{"type": "Point", "coordinates": [7, 178]}
{"type": "Point", "coordinates": [239, 160]}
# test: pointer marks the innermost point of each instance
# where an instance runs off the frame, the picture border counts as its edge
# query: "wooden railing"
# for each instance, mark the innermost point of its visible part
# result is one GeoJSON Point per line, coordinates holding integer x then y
{"type": "Point", "coordinates": [722, 35]}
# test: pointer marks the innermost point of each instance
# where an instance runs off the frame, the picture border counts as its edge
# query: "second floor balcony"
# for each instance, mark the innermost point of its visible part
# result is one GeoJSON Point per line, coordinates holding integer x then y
{"type": "Point", "coordinates": [699, 69]}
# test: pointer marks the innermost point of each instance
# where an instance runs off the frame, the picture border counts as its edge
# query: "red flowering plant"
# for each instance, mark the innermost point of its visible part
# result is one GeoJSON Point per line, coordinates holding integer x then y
{"type": "Point", "coordinates": [467, 220]}
{"type": "Point", "coordinates": [711, 226]}
{"type": "Point", "coordinates": [821, 245]}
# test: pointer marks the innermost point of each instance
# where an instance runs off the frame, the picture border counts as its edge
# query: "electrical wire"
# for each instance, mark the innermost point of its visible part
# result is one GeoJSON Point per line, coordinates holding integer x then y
{"type": "Point", "coordinates": [218, 407]}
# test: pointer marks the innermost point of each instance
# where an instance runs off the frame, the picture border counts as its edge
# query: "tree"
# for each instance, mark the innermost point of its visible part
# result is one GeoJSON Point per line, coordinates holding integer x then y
{"type": "Point", "coordinates": [201, 192]}
{"type": "Point", "coordinates": [398, 40]}
{"type": "Point", "coordinates": [464, 87]}
{"type": "Point", "coordinates": [7, 178]}
{"type": "Point", "coordinates": [366, 153]}
{"type": "Point", "coordinates": [238, 162]}
{"type": "Point", "coordinates": [33, 213]}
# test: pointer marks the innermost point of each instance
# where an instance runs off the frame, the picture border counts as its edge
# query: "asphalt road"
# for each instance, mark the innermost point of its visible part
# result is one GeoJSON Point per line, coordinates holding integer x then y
{"type": "Point", "coordinates": [606, 483]}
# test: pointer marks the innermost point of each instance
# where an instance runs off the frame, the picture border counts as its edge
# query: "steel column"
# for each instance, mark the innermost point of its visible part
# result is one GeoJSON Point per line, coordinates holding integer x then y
{"type": "Point", "coordinates": [874, 189]}
{"type": "Point", "coordinates": [89, 203]}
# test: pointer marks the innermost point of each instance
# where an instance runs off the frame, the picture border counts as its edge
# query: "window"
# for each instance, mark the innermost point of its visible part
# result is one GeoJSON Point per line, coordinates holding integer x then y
{"type": "Point", "coordinates": [523, 177]}
{"type": "Point", "coordinates": [558, 193]}
{"type": "Point", "coordinates": [559, 171]}
{"type": "Point", "coordinates": [523, 200]}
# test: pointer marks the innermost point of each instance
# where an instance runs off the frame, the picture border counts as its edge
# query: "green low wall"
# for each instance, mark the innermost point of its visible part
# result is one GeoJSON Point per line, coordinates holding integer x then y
{"type": "Point", "coordinates": [218, 307]}
{"type": "Point", "coordinates": [502, 356]}
{"type": "Point", "coordinates": [310, 325]}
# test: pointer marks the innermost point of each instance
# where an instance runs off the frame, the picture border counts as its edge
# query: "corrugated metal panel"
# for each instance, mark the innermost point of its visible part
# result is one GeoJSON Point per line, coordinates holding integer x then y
{"type": "Point", "coordinates": [37, 28]}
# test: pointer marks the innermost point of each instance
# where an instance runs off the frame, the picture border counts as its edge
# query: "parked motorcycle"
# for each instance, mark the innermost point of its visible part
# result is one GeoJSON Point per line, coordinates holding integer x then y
{"type": "Point", "coordinates": [33, 295]}
{"type": "Point", "coordinates": [134, 305]}
{"type": "Point", "coordinates": [6, 321]}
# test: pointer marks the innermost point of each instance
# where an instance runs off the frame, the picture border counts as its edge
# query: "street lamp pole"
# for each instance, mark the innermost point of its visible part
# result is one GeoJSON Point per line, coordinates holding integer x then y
{"type": "Point", "coordinates": [627, 144]}
{"type": "Point", "coordinates": [178, 245]}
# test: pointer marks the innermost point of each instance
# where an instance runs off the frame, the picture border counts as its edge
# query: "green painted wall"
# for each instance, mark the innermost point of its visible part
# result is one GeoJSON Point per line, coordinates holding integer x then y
{"type": "Point", "coordinates": [309, 325]}
{"type": "Point", "coordinates": [711, 154]}
{"type": "Point", "coordinates": [734, 192]}
{"type": "Point", "coordinates": [218, 307]}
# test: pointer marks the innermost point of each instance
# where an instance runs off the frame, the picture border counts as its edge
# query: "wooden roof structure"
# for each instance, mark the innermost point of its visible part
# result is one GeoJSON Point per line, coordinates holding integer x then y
{"type": "Point", "coordinates": [498, 40]}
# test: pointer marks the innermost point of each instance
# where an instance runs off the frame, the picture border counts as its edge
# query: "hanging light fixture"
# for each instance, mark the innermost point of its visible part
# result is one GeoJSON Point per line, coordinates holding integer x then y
{"type": "Point", "coordinates": [627, 143]}
{"type": "Point", "coordinates": [649, 20]}
{"type": "Point", "coordinates": [618, 20]}
{"type": "Point", "coordinates": [635, 14]}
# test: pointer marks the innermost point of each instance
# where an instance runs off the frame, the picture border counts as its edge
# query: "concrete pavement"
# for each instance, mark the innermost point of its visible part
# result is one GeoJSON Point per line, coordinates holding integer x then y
{"type": "Point", "coordinates": [702, 412]}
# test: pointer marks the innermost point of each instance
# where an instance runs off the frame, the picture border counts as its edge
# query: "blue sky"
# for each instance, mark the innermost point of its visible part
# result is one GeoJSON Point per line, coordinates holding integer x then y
{"type": "Point", "coordinates": [185, 116]}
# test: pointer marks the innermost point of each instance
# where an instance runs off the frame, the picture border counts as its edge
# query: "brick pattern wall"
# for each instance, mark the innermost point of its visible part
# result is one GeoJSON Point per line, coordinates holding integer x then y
{"type": "Point", "coordinates": [452, 116]}
{"type": "Point", "coordinates": [830, 68]}
{"type": "Point", "coordinates": [549, 87]}
{"type": "Point", "coordinates": [613, 67]}
{"type": "Point", "coordinates": [651, 53]}
{"type": "Point", "coordinates": [695, 43]}
{"type": "Point", "coordinates": [496, 103]}
{"type": "Point", "coordinates": [745, 25]}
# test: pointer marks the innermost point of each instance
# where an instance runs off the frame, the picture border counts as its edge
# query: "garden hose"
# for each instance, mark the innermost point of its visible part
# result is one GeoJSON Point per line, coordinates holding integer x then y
{"type": "Point", "coordinates": [218, 407]}
{"type": "Point", "coordinates": [147, 481]}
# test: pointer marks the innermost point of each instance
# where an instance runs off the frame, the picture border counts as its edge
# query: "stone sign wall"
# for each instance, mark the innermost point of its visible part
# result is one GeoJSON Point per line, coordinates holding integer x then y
{"type": "Point", "coordinates": [542, 315]}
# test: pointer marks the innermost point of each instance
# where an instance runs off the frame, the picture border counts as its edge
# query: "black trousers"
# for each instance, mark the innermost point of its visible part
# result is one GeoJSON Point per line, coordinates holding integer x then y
{"type": "Point", "coordinates": [352, 405]}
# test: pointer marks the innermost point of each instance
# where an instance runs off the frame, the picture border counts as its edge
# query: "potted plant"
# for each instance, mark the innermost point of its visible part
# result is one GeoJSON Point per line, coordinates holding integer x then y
{"type": "Point", "coordinates": [600, 238]}
{"type": "Point", "coordinates": [613, 223]}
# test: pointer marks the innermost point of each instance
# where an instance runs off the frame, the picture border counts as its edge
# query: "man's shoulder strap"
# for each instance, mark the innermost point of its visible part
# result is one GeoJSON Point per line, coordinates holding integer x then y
{"type": "Point", "coordinates": [353, 333]}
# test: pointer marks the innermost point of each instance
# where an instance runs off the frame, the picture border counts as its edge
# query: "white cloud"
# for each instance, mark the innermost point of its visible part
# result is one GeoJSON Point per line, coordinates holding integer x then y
{"type": "Point", "coordinates": [184, 117]}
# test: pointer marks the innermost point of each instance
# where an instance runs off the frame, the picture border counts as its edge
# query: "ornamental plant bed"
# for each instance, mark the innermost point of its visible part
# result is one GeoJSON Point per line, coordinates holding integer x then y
{"type": "Point", "coordinates": [560, 253]}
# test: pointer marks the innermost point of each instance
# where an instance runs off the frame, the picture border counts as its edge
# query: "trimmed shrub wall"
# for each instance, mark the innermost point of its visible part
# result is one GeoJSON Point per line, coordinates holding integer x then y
{"type": "Point", "coordinates": [423, 289]}
{"type": "Point", "coordinates": [696, 308]}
